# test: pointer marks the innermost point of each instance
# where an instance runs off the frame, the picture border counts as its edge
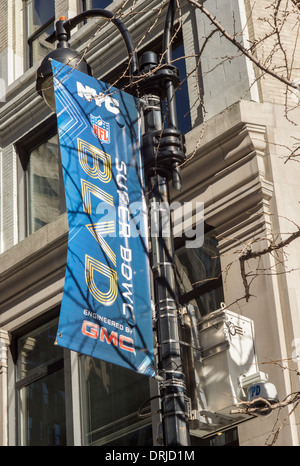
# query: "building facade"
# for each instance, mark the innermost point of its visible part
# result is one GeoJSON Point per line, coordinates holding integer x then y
{"type": "Point", "coordinates": [239, 135]}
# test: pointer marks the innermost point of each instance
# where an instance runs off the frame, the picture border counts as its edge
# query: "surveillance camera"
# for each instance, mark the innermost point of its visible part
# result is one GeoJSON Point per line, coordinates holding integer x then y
{"type": "Point", "coordinates": [262, 395]}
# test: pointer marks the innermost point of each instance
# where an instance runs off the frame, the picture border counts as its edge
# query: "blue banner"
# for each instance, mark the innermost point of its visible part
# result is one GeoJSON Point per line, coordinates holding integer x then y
{"type": "Point", "coordinates": [106, 305]}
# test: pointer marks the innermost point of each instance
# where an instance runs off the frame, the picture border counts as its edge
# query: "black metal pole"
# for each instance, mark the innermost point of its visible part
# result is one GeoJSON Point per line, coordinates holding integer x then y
{"type": "Point", "coordinates": [170, 359]}
{"type": "Point", "coordinates": [160, 148]}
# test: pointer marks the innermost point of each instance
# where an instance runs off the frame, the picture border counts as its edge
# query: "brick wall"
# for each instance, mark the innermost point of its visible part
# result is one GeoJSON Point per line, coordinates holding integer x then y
{"type": "Point", "coordinates": [61, 8]}
{"type": "Point", "coordinates": [9, 198]}
{"type": "Point", "coordinates": [227, 75]}
{"type": "Point", "coordinates": [261, 23]}
{"type": "Point", "coordinates": [11, 41]}
{"type": "Point", "coordinates": [3, 25]}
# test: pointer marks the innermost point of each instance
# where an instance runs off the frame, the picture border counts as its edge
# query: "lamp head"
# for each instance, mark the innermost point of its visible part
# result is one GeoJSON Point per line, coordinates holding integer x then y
{"type": "Point", "coordinates": [63, 54]}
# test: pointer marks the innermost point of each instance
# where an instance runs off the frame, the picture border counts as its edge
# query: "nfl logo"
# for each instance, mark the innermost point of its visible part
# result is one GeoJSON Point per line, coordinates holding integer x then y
{"type": "Point", "coordinates": [100, 129]}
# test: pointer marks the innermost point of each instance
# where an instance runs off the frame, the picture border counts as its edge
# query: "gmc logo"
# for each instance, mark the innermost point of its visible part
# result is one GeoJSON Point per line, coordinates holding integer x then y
{"type": "Point", "coordinates": [95, 331]}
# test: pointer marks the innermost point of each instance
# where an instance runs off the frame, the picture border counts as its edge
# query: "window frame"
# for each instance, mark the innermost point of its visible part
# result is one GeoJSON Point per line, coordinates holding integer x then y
{"type": "Point", "coordinates": [62, 363]}
{"type": "Point", "coordinates": [24, 147]}
{"type": "Point", "coordinates": [201, 289]}
{"type": "Point", "coordinates": [82, 5]}
{"type": "Point", "coordinates": [155, 46]}
{"type": "Point", "coordinates": [142, 421]}
{"type": "Point", "coordinates": [29, 39]}
{"type": "Point", "coordinates": [32, 139]}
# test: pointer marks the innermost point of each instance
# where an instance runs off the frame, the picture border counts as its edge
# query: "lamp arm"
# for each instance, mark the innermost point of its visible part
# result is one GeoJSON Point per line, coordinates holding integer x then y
{"type": "Point", "coordinates": [99, 12]}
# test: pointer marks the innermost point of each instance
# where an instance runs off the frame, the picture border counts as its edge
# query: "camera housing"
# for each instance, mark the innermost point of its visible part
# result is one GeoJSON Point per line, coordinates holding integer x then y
{"type": "Point", "coordinates": [262, 395]}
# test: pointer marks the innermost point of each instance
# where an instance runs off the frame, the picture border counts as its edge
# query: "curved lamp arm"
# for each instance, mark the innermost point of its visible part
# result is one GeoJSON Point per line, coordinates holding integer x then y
{"type": "Point", "coordinates": [70, 24]}
{"type": "Point", "coordinates": [99, 12]}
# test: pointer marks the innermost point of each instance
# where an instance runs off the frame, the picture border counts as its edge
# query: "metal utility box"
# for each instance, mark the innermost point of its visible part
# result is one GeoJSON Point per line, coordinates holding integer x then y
{"type": "Point", "coordinates": [227, 346]}
{"type": "Point", "coordinates": [226, 355]}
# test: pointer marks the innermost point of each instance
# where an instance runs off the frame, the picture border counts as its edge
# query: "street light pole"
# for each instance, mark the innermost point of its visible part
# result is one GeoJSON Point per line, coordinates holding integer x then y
{"type": "Point", "coordinates": [163, 152]}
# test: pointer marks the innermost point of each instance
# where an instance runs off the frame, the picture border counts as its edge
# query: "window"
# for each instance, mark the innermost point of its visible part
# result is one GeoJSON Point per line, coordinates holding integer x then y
{"type": "Point", "coordinates": [229, 438]}
{"type": "Point", "coordinates": [43, 186]}
{"type": "Point", "coordinates": [90, 4]}
{"type": "Point", "coordinates": [39, 21]}
{"type": "Point", "coordinates": [199, 275]}
{"type": "Point", "coordinates": [182, 96]}
{"type": "Point", "coordinates": [111, 398]}
{"type": "Point", "coordinates": [40, 388]}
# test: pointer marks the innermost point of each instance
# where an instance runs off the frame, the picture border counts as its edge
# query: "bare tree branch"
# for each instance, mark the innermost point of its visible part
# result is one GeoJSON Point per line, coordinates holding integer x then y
{"type": "Point", "coordinates": [261, 406]}
{"type": "Point", "coordinates": [243, 49]}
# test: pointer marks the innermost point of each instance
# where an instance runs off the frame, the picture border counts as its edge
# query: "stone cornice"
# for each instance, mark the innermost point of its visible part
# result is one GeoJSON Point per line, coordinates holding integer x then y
{"type": "Point", "coordinates": [22, 105]}
{"type": "Point", "coordinates": [228, 171]}
{"type": "Point", "coordinates": [31, 267]}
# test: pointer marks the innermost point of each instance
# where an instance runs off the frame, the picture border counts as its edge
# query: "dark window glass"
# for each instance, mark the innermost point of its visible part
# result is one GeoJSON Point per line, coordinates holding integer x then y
{"type": "Point", "coordinates": [111, 398]}
{"type": "Point", "coordinates": [199, 275]}
{"type": "Point", "coordinates": [40, 15]}
{"type": "Point", "coordinates": [40, 389]}
{"type": "Point", "coordinates": [229, 438]}
{"type": "Point", "coordinates": [182, 96]}
{"type": "Point", "coordinates": [90, 4]}
{"type": "Point", "coordinates": [45, 189]}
